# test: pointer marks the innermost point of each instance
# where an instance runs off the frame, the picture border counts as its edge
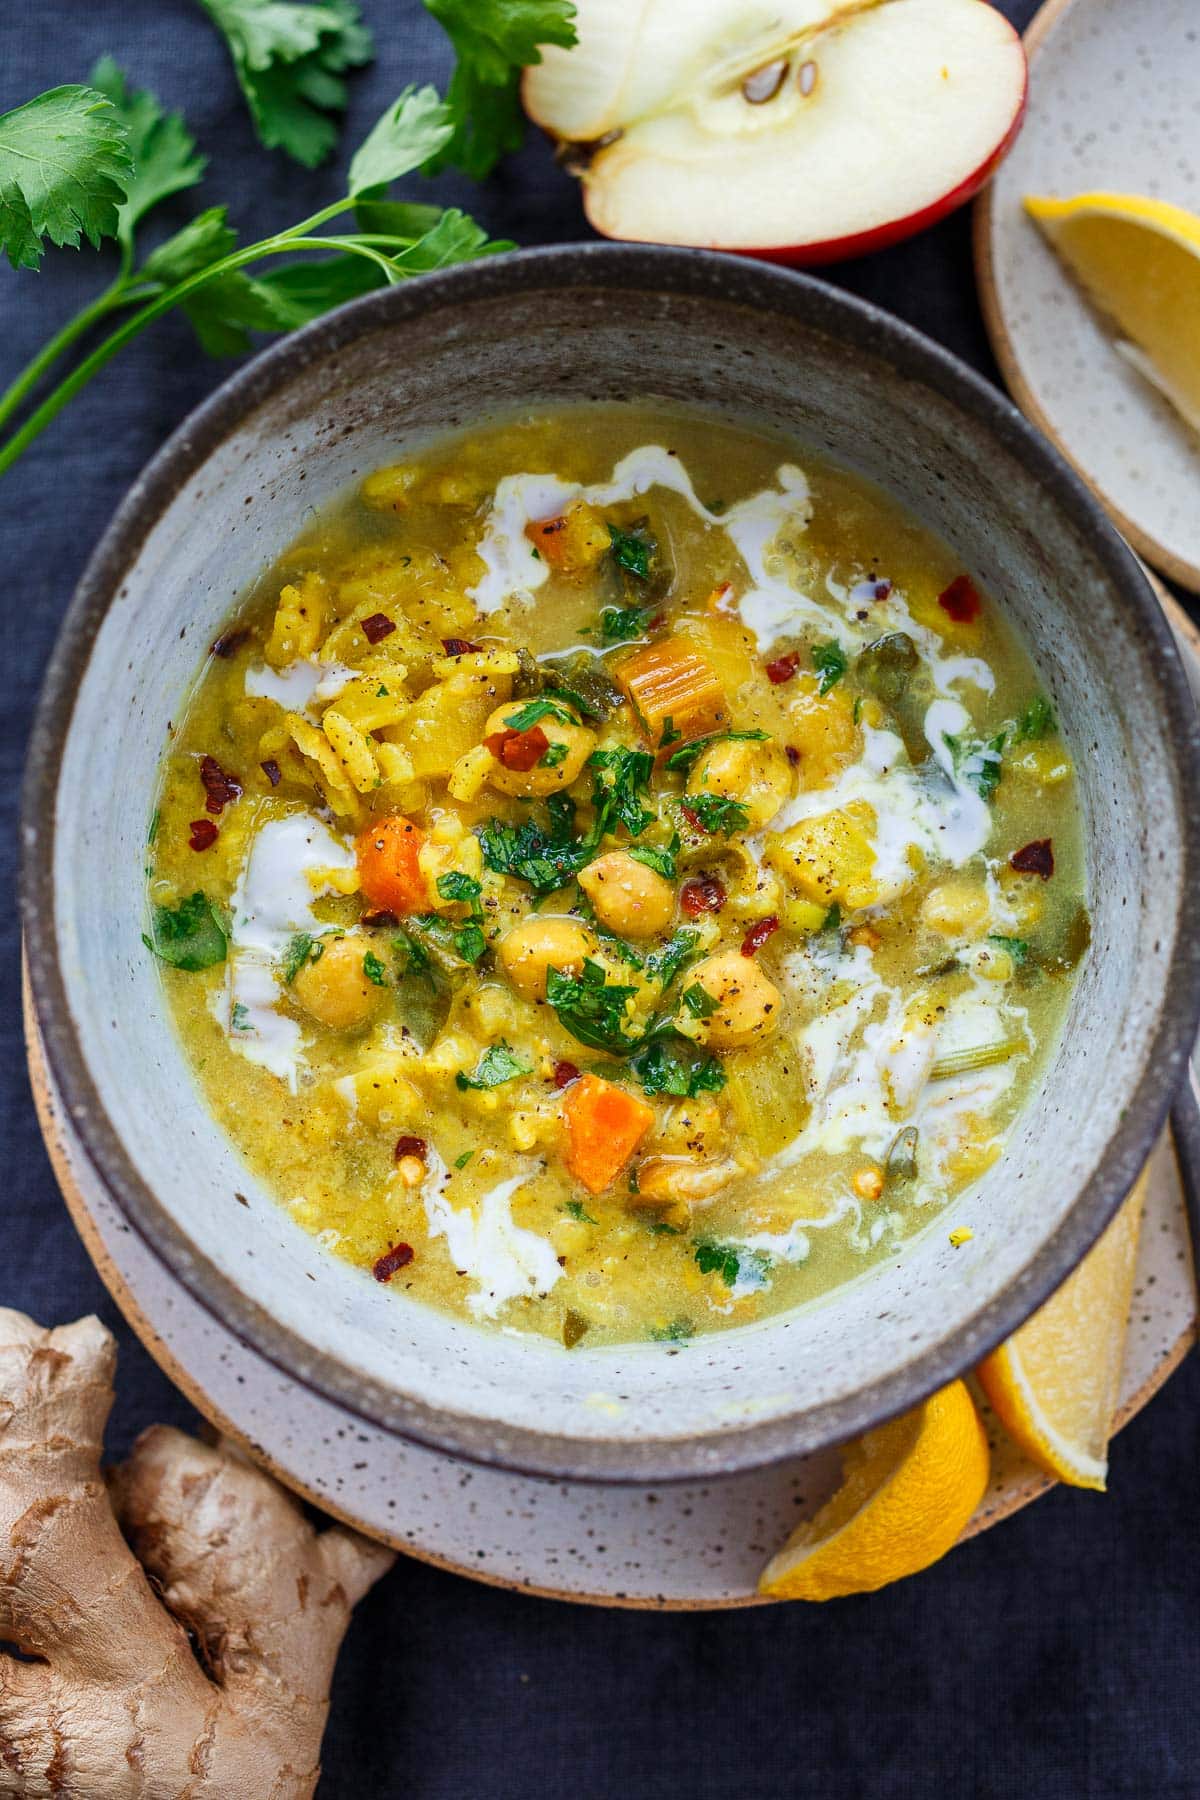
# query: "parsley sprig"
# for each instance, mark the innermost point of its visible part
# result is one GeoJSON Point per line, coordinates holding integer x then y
{"type": "Point", "coordinates": [289, 62]}
{"type": "Point", "coordinates": [94, 161]}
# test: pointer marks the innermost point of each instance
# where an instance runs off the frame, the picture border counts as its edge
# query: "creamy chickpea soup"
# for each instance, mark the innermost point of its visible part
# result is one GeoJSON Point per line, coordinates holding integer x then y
{"type": "Point", "coordinates": [617, 876]}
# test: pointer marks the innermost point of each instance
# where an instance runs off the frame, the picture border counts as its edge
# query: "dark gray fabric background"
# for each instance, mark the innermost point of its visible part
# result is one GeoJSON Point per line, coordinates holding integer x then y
{"type": "Point", "coordinates": [1057, 1657]}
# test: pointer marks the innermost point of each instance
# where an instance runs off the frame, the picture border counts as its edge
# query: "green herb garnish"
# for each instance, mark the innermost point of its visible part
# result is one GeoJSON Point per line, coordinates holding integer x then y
{"type": "Point", "coordinates": [830, 662]}
{"type": "Point", "coordinates": [677, 1332]}
{"type": "Point", "coordinates": [662, 861]}
{"type": "Point", "coordinates": [699, 1002]}
{"type": "Point", "coordinates": [575, 1210]}
{"type": "Point", "coordinates": [1018, 948]}
{"type": "Point", "coordinates": [978, 765]}
{"type": "Point", "coordinates": [554, 755]}
{"type": "Point", "coordinates": [592, 1008]}
{"type": "Point", "coordinates": [717, 813]}
{"type": "Point", "coordinates": [621, 624]}
{"type": "Point", "coordinates": [374, 970]}
{"type": "Point", "coordinates": [497, 1065]}
{"type": "Point", "coordinates": [669, 733]}
{"type": "Point", "coordinates": [1037, 721]}
{"type": "Point", "coordinates": [289, 62]}
{"type": "Point", "coordinates": [674, 1068]}
{"type": "Point", "coordinates": [684, 758]}
{"type": "Point", "coordinates": [633, 551]}
{"type": "Point", "coordinates": [546, 856]}
{"type": "Point", "coordinates": [622, 777]}
{"type": "Point", "coordinates": [667, 964]}
{"type": "Point", "coordinates": [534, 712]}
{"type": "Point", "coordinates": [460, 1162]}
{"type": "Point", "coordinates": [493, 41]}
{"type": "Point", "coordinates": [239, 1017]}
{"type": "Point", "coordinates": [188, 936]}
{"type": "Point", "coordinates": [455, 885]}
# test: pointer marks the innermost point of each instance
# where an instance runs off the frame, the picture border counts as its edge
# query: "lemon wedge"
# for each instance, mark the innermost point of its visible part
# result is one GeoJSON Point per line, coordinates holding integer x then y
{"type": "Point", "coordinates": [1054, 1384]}
{"type": "Point", "coordinates": [1139, 261]}
{"type": "Point", "coordinates": [908, 1490]}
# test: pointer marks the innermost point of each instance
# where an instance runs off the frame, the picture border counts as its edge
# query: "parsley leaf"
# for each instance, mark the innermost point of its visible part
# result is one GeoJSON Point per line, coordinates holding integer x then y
{"type": "Point", "coordinates": [978, 765]}
{"type": "Point", "coordinates": [374, 970]}
{"type": "Point", "coordinates": [699, 1002]}
{"type": "Point", "coordinates": [428, 945]}
{"type": "Point", "coordinates": [164, 154]}
{"type": "Point", "coordinates": [667, 964]}
{"type": "Point", "coordinates": [302, 949]}
{"type": "Point", "coordinates": [670, 1068]}
{"type": "Point", "coordinates": [1018, 948]}
{"type": "Point", "coordinates": [677, 1332]}
{"type": "Point", "coordinates": [546, 856]}
{"type": "Point", "coordinates": [575, 1210]}
{"type": "Point", "coordinates": [455, 885]}
{"type": "Point", "coordinates": [620, 624]}
{"type": "Point", "coordinates": [64, 172]}
{"type": "Point", "coordinates": [535, 711]}
{"type": "Point", "coordinates": [717, 813]}
{"type": "Point", "coordinates": [829, 660]}
{"type": "Point", "coordinates": [289, 60]}
{"type": "Point", "coordinates": [633, 551]}
{"type": "Point", "coordinates": [493, 40]}
{"type": "Point", "coordinates": [622, 775]}
{"type": "Point", "coordinates": [684, 758]}
{"type": "Point", "coordinates": [470, 943]}
{"type": "Point", "coordinates": [188, 936]}
{"type": "Point", "coordinates": [662, 861]}
{"type": "Point", "coordinates": [591, 1008]}
{"type": "Point", "coordinates": [412, 130]}
{"type": "Point", "coordinates": [1037, 721]}
{"type": "Point", "coordinates": [497, 1065]}
{"type": "Point", "coordinates": [731, 1264]}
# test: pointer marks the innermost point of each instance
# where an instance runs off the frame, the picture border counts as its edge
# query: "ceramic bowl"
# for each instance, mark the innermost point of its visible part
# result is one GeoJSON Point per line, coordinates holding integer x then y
{"type": "Point", "coordinates": [233, 487]}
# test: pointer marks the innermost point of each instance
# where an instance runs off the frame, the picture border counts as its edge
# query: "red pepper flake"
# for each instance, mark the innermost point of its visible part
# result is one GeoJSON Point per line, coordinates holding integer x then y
{"type": "Point", "coordinates": [1036, 858]}
{"type": "Point", "coordinates": [203, 834]}
{"type": "Point", "coordinates": [272, 771]}
{"type": "Point", "coordinates": [518, 750]}
{"type": "Point", "coordinates": [459, 646]}
{"type": "Point", "coordinates": [220, 788]}
{"type": "Point", "coordinates": [398, 1257]}
{"type": "Point", "coordinates": [380, 916]}
{"type": "Point", "coordinates": [960, 600]}
{"type": "Point", "coordinates": [228, 642]}
{"type": "Point", "coordinates": [758, 934]}
{"type": "Point", "coordinates": [783, 668]}
{"type": "Point", "coordinates": [378, 626]}
{"type": "Point", "coordinates": [564, 1074]}
{"type": "Point", "coordinates": [792, 754]}
{"type": "Point", "coordinates": [702, 894]}
{"type": "Point", "coordinates": [412, 1146]}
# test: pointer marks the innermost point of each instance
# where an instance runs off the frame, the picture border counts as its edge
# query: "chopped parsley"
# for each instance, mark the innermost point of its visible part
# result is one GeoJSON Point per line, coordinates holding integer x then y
{"type": "Point", "coordinates": [620, 624]}
{"type": "Point", "coordinates": [497, 1065]}
{"type": "Point", "coordinates": [188, 936]}
{"type": "Point", "coordinates": [662, 861]}
{"type": "Point", "coordinates": [454, 885]}
{"type": "Point", "coordinates": [829, 660]}
{"type": "Point", "coordinates": [667, 964]}
{"type": "Point", "coordinates": [1018, 948]}
{"type": "Point", "coordinates": [552, 756]}
{"type": "Point", "coordinates": [1037, 721]}
{"type": "Point", "coordinates": [431, 946]}
{"type": "Point", "coordinates": [669, 733]}
{"type": "Point", "coordinates": [546, 856]}
{"type": "Point", "coordinates": [731, 1264]}
{"type": "Point", "coordinates": [533, 712]}
{"type": "Point", "coordinates": [239, 1018]}
{"type": "Point", "coordinates": [460, 1162]}
{"type": "Point", "coordinates": [634, 551]}
{"type": "Point", "coordinates": [470, 942]}
{"type": "Point", "coordinates": [717, 813]}
{"type": "Point", "coordinates": [699, 1002]}
{"type": "Point", "coordinates": [303, 948]}
{"type": "Point", "coordinates": [977, 765]}
{"type": "Point", "coordinates": [684, 758]}
{"type": "Point", "coordinates": [622, 776]}
{"type": "Point", "coordinates": [575, 1210]}
{"type": "Point", "coordinates": [593, 1009]}
{"type": "Point", "coordinates": [374, 970]}
{"type": "Point", "coordinates": [673, 1068]}
{"type": "Point", "coordinates": [677, 1332]}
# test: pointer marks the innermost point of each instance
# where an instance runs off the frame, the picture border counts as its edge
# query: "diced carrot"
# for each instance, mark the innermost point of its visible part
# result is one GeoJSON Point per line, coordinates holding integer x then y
{"type": "Point", "coordinates": [388, 870]}
{"type": "Point", "coordinates": [605, 1124]}
{"type": "Point", "coordinates": [669, 681]}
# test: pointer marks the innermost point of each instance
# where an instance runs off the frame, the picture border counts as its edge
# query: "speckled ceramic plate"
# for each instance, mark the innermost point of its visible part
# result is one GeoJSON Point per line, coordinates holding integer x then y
{"type": "Point", "coordinates": [1114, 103]}
{"type": "Point", "coordinates": [692, 1545]}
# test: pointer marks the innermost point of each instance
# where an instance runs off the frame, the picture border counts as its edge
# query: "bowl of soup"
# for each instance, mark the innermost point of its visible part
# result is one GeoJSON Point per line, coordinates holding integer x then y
{"type": "Point", "coordinates": [607, 845]}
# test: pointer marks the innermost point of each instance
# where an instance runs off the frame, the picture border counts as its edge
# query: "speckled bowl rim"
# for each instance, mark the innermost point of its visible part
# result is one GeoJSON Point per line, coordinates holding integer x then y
{"type": "Point", "coordinates": [632, 268]}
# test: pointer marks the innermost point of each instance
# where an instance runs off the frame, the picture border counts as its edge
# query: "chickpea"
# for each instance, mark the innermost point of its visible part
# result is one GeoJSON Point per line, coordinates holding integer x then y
{"type": "Point", "coordinates": [627, 896]}
{"type": "Point", "coordinates": [576, 741]}
{"type": "Point", "coordinates": [956, 908]}
{"type": "Point", "coordinates": [538, 945]}
{"type": "Point", "coordinates": [757, 774]}
{"type": "Point", "coordinates": [748, 1002]}
{"type": "Point", "coordinates": [335, 989]}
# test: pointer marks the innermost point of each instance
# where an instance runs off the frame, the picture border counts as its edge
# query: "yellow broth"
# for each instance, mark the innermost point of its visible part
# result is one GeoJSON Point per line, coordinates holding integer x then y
{"type": "Point", "coordinates": [740, 1007]}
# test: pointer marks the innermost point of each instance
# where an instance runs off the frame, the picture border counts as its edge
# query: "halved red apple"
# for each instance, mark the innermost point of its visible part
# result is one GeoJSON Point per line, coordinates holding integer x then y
{"type": "Point", "coordinates": [801, 130]}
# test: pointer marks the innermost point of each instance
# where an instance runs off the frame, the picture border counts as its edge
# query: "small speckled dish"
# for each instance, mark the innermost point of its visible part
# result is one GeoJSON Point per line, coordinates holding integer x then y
{"type": "Point", "coordinates": [1114, 105]}
{"type": "Point", "coordinates": [217, 505]}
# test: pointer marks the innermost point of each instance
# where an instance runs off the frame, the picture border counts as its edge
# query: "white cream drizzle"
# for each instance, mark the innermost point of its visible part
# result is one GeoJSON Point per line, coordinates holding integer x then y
{"type": "Point", "coordinates": [299, 685]}
{"type": "Point", "coordinates": [271, 902]}
{"type": "Point", "coordinates": [486, 1243]}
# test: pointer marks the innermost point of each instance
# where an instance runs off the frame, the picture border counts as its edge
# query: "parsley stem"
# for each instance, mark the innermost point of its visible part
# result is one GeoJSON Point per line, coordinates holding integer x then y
{"type": "Point", "coordinates": [113, 296]}
{"type": "Point", "coordinates": [295, 239]}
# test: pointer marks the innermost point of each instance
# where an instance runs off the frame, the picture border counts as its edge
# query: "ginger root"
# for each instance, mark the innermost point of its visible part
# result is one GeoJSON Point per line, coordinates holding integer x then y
{"type": "Point", "coordinates": [102, 1693]}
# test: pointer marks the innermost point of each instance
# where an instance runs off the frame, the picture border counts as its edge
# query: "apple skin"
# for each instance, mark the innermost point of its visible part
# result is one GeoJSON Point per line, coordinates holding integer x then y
{"type": "Point", "coordinates": [853, 244]}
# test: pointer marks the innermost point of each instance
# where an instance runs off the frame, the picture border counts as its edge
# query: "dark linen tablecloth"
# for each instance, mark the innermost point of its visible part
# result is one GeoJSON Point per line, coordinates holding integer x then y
{"type": "Point", "coordinates": [1057, 1657]}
